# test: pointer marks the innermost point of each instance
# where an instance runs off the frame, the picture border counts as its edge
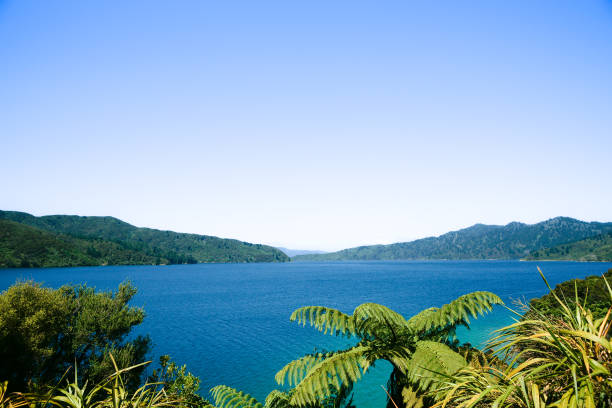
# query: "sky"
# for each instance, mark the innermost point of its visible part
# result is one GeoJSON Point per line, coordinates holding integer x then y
{"type": "Point", "coordinates": [308, 125]}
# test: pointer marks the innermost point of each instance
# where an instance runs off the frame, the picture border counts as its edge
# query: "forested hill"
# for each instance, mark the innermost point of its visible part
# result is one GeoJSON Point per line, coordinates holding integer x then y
{"type": "Point", "coordinates": [25, 246]}
{"type": "Point", "coordinates": [598, 248]}
{"type": "Point", "coordinates": [130, 244]}
{"type": "Point", "coordinates": [512, 241]}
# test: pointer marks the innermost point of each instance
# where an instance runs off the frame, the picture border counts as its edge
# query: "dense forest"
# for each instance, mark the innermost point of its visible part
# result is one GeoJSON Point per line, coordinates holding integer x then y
{"type": "Point", "coordinates": [512, 241]}
{"type": "Point", "coordinates": [593, 249]}
{"type": "Point", "coordinates": [557, 354]}
{"type": "Point", "coordinates": [67, 240]}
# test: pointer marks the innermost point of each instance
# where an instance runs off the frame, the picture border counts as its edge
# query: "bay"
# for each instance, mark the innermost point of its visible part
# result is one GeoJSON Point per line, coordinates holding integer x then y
{"type": "Point", "coordinates": [230, 322]}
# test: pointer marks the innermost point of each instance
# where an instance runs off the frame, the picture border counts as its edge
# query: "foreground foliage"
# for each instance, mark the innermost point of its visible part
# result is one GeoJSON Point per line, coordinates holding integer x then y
{"type": "Point", "coordinates": [178, 382]}
{"type": "Point", "coordinates": [544, 360]}
{"type": "Point", "coordinates": [417, 347]}
{"type": "Point", "coordinates": [111, 392]}
{"type": "Point", "coordinates": [44, 331]}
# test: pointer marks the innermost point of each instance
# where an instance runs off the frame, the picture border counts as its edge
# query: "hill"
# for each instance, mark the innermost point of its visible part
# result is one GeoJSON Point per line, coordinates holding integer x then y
{"type": "Point", "coordinates": [598, 248]}
{"type": "Point", "coordinates": [151, 245]}
{"type": "Point", "coordinates": [25, 246]}
{"type": "Point", "coordinates": [512, 241]}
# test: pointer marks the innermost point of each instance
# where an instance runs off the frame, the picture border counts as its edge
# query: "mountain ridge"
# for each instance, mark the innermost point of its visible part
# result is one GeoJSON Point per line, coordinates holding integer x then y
{"type": "Point", "coordinates": [514, 240]}
{"type": "Point", "coordinates": [592, 249]}
{"type": "Point", "coordinates": [163, 245]}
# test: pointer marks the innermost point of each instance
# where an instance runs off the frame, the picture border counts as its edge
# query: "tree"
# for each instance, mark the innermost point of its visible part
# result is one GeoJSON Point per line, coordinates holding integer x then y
{"type": "Point", "coordinates": [421, 349]}
{"type": "Point", "coordinates": [178, 383]}
{"type": "Point", "coordinates": [44, 331]}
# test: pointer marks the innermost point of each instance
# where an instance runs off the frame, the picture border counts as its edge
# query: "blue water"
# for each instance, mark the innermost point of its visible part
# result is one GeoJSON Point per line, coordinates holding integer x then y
{"type": "Point", "coordinates": [230, 322]}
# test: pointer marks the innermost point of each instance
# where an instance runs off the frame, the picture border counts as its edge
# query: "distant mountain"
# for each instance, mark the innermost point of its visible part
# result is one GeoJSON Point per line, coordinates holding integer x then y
{"type": "Point", "coordinates": [25, 246]}
{"type": "Point", "coordinates": [598, 248]}
{"type": "Point", "coordinates": [151, 245]}
{"type": "Point", "coordinates": [512, 241]}
{"type": "Point", "coordinates": [295, 252]}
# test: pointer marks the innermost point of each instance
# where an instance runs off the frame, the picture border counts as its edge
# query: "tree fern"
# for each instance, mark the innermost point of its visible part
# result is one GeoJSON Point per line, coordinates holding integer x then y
{"type": "Point", "coordinates": [411, 398]}
{"type": "Point", "coordinates": [371, 317]}
{"type": "Point", "coordinates": [278, 399]}
{"type": "Point", "coordinates": [433, 362]}
{"type": "Point", "coordinates": [325, 319]}
{"type": "Point", "coordinates": [296, 370]}
{"type": "Point", "coordinates": [384, 335]}
{"type": "Point", "coordinates": [457, 312]}
{"type": "Point", "coordinates": [330, 373]}
{"type": "Point", "coordinates": [227, 397]}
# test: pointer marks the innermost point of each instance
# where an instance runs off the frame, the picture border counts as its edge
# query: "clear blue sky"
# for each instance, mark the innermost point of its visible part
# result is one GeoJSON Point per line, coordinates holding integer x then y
{"type": "Point", "coordinates": [312, 125]}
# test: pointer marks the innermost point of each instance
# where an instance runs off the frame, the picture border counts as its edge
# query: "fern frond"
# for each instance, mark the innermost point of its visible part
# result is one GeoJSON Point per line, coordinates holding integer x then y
{"type": "Point", "coordinates": [456, 312]}
{"type": "Point", "coordinates": [227, 397]}
{"type": "Point", "coordinates": [296, 370]}
{"type": "Point", "coordinates": [325, 319]}
{"type": "Point", "coordinates": [432, 363]}
{"type": "Point", "coordinates": [329, 374]}
{"type": "Point", "coordinates": [411, 398]}
{"type": "Point", "coordinates": [278, 399]}
{"type": "Point", "coordinates": [373, 312]}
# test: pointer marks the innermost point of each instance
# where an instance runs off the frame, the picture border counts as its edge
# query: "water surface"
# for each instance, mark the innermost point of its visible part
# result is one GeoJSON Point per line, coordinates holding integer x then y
{"type": "Point", "coordinates": [230, 322]}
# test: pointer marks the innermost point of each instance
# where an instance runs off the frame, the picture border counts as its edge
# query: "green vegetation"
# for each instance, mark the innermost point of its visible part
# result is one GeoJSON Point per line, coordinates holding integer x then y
{"type": "Point", "coordinates": [592, 289]}
{"type": "Point", "coordinates": [512, 241]}
{"type": "Point", "coordinates": [44, 331]}
{"type": "Point", "coordinates": [541, 361]}
{"type": "Point", "coordinates": [111, 392]}
{"type": "Point", "coordinates": [25, 246]}
{"type": "Point", "coordinates": [178, 382]}
{"type": "Point", "coordinates": [423, 342]}
{"type": "Point", "coordinates": [593, 249]}
{"type": "Point", "coordinates": [63, 240]}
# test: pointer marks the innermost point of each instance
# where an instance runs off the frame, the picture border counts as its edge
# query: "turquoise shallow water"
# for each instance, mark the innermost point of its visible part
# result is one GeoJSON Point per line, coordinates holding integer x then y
{"type": "Point", "coordinates": [230, 322]}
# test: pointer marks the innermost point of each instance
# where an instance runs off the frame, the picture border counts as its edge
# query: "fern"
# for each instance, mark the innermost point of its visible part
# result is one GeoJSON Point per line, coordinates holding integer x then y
{"type": "Point", "coordinates": [370, 316]}
{"type": "Point", "coordinates": [431, 363]}
{"type": "Point", "coordinates": [384, 335]}
{"type": "Point", "coordinates": [412, 399]}
{"type": "Point", "coordinates": [457, 312]}
{"type": "Point", "coordinates": [340, 368]}
{"type": "Point", "coordinates": [227, 397]}
{"type": "Point", "coordinates": [278, 399]}
{"type": "Point", "coordinates": [296, 370]}
{"type": "Point", "coordinates": [325, 319]}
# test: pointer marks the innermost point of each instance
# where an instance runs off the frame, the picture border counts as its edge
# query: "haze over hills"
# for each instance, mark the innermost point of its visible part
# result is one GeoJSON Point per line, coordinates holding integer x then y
{"type": "Point", "coordinates": [512, 241]}
{"type": "Point", "coordinates": [295, 252]}
{"type": "Point", "coordinates": [597, 248]}
{"type": "Point", "coordinates": [74, 240]}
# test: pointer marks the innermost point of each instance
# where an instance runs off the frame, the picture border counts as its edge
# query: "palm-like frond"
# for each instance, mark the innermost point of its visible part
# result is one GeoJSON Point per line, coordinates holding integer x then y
{"type": "Point", "coordinates": [384, 334]}
{"type": "Point", "coordinates": [454, 313]}
{"type": "Point", "coordinates": [431, 363]}
{"type": "Point", "coordinates": [370, 318]}
{"type": "Point", "coordinates": [337, 369]}
{"type": "Point", "coordinates": [325, 319]}
{"type": "Point", "coordinates": [278, 399]}
{"type": "Point", "coordinates": [296, 370]}
{"type": "Point", "coordinates": [228, 397]}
